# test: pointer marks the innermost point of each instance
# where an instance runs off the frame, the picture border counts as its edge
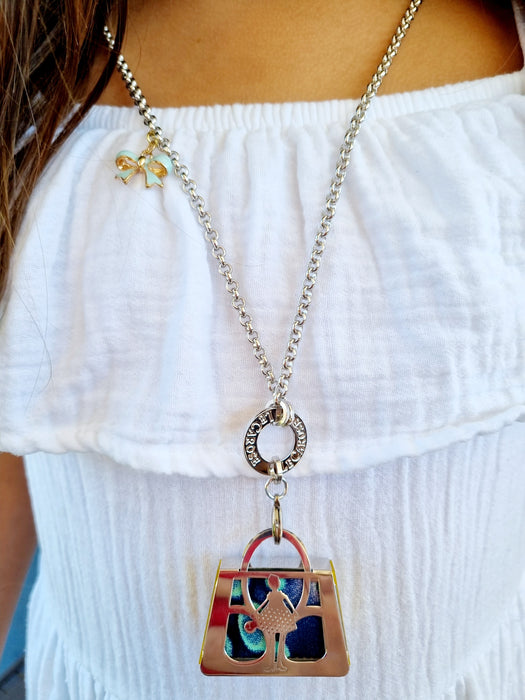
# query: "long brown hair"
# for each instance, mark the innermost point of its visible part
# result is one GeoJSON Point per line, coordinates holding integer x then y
{"type": "Point", "coordinates": [47, 52]}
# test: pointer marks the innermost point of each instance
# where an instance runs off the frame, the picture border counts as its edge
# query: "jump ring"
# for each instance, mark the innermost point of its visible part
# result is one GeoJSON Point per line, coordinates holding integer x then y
{"type": "Point", "coordinates": [273, 496]}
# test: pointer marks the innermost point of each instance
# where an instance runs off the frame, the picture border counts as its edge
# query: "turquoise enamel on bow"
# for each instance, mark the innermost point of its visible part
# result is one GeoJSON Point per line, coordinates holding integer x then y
{"type": "Point", "coordinates": [154, 166]}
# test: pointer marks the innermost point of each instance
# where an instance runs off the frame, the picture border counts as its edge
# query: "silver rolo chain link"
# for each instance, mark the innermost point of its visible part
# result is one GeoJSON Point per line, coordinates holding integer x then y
{"type": "Point", "coordinates": [278, 387]}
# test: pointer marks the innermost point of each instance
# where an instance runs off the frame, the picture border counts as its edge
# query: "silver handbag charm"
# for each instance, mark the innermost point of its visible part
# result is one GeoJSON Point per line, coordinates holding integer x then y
{"type": "Point", "coordinates": [275, 622]}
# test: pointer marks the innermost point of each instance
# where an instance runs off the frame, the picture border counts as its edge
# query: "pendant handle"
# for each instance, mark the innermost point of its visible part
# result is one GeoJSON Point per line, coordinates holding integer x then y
{"type": "Point", "coordinates": [265, 535]}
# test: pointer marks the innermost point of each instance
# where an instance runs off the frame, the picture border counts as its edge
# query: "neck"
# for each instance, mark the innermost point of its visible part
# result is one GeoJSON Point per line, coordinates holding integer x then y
{"type": "Point", "coordinates": [229, 51]}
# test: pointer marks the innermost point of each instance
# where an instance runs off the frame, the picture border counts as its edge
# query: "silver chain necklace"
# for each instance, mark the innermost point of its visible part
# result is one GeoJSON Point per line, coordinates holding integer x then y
{"type": "Point", "coordinates": [278, 387]}
{"type": "Point", "coordinates": [156, 161]}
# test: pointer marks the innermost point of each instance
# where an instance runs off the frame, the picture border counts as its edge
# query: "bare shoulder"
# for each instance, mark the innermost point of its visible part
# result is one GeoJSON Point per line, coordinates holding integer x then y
{"type": "Point", "coordinates": [229, 51]}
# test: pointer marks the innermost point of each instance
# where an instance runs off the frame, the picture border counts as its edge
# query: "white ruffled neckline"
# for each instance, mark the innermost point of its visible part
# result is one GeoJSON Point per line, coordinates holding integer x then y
{"type": "Point", "coordinates": [255, 115]}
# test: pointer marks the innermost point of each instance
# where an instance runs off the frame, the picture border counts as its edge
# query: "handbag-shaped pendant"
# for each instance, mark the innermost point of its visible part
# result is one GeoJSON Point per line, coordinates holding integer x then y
{"type": "Point", "coordinates": [270, 622]}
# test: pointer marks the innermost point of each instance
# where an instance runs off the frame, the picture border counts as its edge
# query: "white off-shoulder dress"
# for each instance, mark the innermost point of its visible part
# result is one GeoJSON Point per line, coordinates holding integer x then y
{"type": "Point", "coordinates": [127, 382]}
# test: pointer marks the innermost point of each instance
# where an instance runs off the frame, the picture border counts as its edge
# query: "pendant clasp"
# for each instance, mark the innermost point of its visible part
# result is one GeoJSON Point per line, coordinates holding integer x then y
{"type": "Point", "coordinates": [277, 521]}
{"type": "Point", "coordinates": [276, 479]}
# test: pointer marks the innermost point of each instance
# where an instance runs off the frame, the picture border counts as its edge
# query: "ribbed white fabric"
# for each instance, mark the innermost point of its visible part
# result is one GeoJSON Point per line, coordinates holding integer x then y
{"type": "Point", "coordinates": [428, 552]}
{"type": "Point", "coordinates": [125, 373]}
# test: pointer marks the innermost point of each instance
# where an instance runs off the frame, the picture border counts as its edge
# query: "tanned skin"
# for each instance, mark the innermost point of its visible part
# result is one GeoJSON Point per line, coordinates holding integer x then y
{"type": "Point", "coordinates": [17, 537]}
{"type": "Point", "coordinates": [229, 51]}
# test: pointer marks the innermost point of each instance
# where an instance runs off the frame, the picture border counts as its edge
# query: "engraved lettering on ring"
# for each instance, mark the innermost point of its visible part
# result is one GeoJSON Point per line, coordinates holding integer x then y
{"type": "Point", "coordinates": [270, 416]}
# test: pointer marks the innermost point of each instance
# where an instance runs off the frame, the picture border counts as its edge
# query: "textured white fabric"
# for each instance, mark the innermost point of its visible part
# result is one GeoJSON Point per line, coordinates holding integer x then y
{"type": "Point", "coordinates": [119, 337]}
{"type": "Point", "coordinates": [428, 552]}
{"type": "Point", "coordinates": [125, 374]}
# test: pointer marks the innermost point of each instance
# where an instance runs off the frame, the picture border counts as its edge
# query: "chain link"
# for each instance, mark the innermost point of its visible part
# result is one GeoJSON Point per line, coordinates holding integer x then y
{"type": "Point", "coordinates": [278, 387]}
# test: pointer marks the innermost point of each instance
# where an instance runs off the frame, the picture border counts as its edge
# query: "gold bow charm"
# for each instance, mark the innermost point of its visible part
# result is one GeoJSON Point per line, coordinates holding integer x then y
{"type": "Point", "coordinates": [154, 167]}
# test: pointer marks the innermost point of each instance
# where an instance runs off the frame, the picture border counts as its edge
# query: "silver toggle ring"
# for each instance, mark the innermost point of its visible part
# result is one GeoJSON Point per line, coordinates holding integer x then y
{"type": "Point", "coordinates": [275, 415]}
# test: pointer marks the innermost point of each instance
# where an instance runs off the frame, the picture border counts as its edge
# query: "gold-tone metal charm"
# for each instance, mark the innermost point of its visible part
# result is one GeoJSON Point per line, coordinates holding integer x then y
{"type": "Point", "coordinates": [153, 166]}
{"type": "Point", "coordinates": [275, 622]}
